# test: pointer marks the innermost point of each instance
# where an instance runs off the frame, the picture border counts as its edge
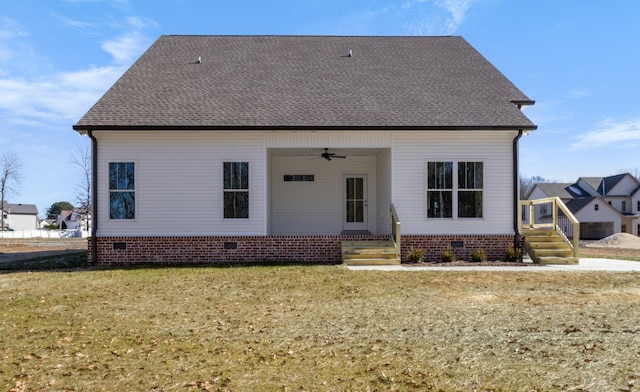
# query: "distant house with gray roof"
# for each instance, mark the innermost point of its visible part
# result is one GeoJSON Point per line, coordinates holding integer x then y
{"type": "Point", "coordinates": [286, 148]}
{"type": "Point", "coordinates": [19, 217]}
{"type": "Point", "coordinates": [603, 205]}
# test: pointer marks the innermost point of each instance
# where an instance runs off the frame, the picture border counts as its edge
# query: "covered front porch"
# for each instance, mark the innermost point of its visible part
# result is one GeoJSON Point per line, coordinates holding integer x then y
{"type": "Point", "coordinates": [347, 194]}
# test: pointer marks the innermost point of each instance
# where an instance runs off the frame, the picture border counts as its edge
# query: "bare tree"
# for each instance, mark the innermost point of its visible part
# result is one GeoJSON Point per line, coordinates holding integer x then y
{"type": "Point", "coordinates": [82, 159]}
{"type": "Point", "coordinates": [10, 176]}
{"type": "Point", "coordinates": [527, 184]}
{"type": "Point", "coordinates": [634, 172]}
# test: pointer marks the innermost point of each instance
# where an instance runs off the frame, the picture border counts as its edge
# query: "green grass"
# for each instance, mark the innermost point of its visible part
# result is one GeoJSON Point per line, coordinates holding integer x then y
{"type": "Point", "coordinates": [317, 328]}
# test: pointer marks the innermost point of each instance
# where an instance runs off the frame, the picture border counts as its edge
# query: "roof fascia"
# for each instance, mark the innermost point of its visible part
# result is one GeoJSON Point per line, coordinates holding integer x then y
{"type": "Point", "coordinates": [84, 128]}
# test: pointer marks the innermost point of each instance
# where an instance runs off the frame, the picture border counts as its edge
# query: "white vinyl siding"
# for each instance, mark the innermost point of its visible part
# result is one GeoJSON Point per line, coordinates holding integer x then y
{"type": "Point", "coordinates": [383, 190]}
{"type": "Point", "coordinates": [317, 207]}
{"type": "Point", "coordinates": [411, 152]}
{"type": "Point", "coordinates": [20, 222]}
{"type": "Point", "coordinates": [179, 181]}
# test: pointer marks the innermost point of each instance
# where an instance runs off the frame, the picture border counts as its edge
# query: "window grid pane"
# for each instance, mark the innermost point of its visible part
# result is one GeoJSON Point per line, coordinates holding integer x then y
{"type": "Point", "coordinates": [470, 184]}
{"type": "Point", "coordinates": [439, 189]}
{"type": "Point", "coordinates": [121, 190]}
{"type": "Point", "coordinates": [236, 190]}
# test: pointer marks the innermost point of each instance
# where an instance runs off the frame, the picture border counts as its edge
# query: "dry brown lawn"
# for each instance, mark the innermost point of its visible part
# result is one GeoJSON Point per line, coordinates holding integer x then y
{"type": "Point", "coordinates": [318, 328]}
{"type": "Point", "coordinates": [615, 253]}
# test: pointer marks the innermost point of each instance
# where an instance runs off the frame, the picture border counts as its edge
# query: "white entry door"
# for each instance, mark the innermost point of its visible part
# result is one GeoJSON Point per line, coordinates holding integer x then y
{"type": "Point", "coordinates": [355, 207]}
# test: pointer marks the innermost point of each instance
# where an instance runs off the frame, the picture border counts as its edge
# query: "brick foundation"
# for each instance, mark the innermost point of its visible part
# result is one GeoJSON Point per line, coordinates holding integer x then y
{"type": "Point", "coordinates": [305, 249]}
{"type": "Point", "coordinates": [462, 245]}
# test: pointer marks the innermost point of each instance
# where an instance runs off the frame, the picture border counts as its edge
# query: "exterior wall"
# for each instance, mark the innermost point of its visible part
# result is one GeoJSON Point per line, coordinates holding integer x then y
{"type": "Point", "coordinates": [383, 191]}
{"type": "Point", "coordinates": [616, 202]}
{"type": "Point", "coordinates": [174, 250]}
{"type": "Point", "coordinates": [625, 186]}
{"type": "Point", "coordinates": [178, 181]}
{"type": "Point", "coordinates": [605, 213]}
{"type": "Point", "coordinates": [318, 207]}
{"type": "Point", "coordinates": [291, 249]}
{"type": "Point", "coordinates": [591, 221]}
{"type": "Point", "coordinates": [585, 185]}
{"type": "Point", "coordinates": [21, 222]}
{"type": "Point", "coordinates": [462, 245]}
{"type": "Point", "coordinates": [412, 151]}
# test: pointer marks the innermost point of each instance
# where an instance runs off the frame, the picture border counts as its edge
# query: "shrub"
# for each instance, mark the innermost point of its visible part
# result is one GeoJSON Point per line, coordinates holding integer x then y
{"type": "Point", "coordinates": [415, 255]}
{"type": "Point", "coordinates": [447, 256]}
{"type": "Point", "coordinates": [512, 255]}
{"type": "Point", "coordinates": [478, 256]}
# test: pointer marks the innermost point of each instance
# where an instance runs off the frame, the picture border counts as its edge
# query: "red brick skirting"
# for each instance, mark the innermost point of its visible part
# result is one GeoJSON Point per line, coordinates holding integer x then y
{"type": "Point", "coordinates": [295, 249]}
{"type": "Point", "coordinates": [462, 245]}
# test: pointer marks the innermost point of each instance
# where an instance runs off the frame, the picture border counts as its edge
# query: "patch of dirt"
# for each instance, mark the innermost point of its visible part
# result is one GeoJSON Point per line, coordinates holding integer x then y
{"type": "Point", "coordinates": [32, 248]}
{"type": "Point", "coordinates": [618, 240]}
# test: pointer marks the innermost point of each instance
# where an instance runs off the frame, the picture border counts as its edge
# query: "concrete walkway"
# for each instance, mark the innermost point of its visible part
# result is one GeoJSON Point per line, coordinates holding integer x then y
{"type": "Point", "coordinates": [584, 265]}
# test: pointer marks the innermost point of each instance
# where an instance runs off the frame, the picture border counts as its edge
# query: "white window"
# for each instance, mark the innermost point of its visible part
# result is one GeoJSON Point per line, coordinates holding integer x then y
{"type": "Point", "coordinates": [122, 195]}
{"type": "Point", "coordinates": [236, 190]}
{"type": "Point", "coordinates": [458, 187]}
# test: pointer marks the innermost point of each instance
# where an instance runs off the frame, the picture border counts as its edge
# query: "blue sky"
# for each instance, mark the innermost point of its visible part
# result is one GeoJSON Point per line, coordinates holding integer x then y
{"type": "Point", "coordinates": [580, 62]}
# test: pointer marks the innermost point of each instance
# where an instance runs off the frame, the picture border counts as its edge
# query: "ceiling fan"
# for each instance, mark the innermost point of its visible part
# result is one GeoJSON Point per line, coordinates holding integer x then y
{"type": "Point", "coordinates": [330, 155]}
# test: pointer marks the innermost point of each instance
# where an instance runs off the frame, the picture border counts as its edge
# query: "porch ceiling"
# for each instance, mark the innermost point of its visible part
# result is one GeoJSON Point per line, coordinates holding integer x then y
{"type": "Point", "coordinates": [312, 152]}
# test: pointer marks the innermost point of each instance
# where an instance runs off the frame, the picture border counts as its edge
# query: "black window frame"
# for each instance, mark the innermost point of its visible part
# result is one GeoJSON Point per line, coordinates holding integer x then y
{"type": "Point", "coordinates": [235, 190]}
{"type": "Point", "coordinates": [122, 190]}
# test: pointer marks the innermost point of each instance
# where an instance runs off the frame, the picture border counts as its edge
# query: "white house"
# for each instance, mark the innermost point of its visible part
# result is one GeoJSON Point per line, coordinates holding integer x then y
{"type": "Point", "coordinates": [20, 216]}
{"type": "Point", "coordinates": [68, 220]}
{"type": "Point", "coordinates": [280, 148]}
{"type": "Point", "coordinates": [603, 205]}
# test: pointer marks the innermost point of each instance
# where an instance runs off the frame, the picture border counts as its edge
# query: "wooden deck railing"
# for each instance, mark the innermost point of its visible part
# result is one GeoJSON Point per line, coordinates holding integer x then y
{"type": "Point", "coordinates": [395, 229]}
{"type": "Point", "coordinates": [557, 217]}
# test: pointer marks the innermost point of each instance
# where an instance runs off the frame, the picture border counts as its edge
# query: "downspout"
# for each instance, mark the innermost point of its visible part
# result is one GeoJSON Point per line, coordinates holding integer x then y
{"type": "Point", "coordinates": [94, 198]}
{"type": "Point", "coordinates": [516, 193]}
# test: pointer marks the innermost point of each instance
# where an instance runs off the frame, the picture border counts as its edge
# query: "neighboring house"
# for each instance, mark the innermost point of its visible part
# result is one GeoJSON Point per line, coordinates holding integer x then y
{"type": "Point", "coordinates": [603, 205]}
{"type": "Point", "coordinates": [227, 148]}
{"type": "Point", "coordinates": [19, 217]}
{"type": "Point", "coordinates": [45, 223]}
{"type": "Point", "coordinates": [68, 220]}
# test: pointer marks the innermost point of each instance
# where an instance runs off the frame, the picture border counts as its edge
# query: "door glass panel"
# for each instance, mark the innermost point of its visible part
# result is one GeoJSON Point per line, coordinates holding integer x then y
{"type": "Point", "coordinates": [355, 200]}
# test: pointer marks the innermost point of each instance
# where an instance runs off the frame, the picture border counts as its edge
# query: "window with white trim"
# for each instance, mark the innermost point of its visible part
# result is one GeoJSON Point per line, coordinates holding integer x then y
{"type": "Point", "coordinates": [455, 189]}
{"type": "Point", "coordinates": [122, 195]}
{"type": "Point", "coordinates": [236, 190]}
{"type": "Point", "coordinates": [439, 189]}
{"type": "Point", "coordinates": [470, 185]}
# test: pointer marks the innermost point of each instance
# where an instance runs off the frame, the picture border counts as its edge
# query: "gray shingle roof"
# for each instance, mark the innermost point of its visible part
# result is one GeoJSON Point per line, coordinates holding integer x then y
{"type": "Point", "coordinates": [310, 81]}
{"type": "Point", "coordinates": [576, 205]}
{"type": "Point", "coordinates": [20, 209]}
{"type": "Point", "coordinates": [608, 183]}
{"type": "Point", "coordinates": [560, 189]}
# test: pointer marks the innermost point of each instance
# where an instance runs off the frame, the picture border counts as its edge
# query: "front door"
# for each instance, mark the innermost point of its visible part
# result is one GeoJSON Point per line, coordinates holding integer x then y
{"type": "Point", "coordinates": [355, 202]}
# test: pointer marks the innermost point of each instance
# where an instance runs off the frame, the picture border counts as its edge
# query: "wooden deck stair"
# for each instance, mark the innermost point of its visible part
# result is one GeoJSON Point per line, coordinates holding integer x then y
{"type": "Point", "coordinates": [548, 247]}
{"type": "Point", "coordinates": [369, 253]}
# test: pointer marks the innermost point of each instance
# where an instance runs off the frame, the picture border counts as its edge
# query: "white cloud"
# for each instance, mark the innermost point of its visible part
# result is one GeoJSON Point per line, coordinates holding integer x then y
{"type": "Point", "coordinates": [9, 32]}
{"type": "Point", "coordinates": [436, 17]}
{"type": "Point", "coordinates": [125, 47]}
{"type": "Point", "coordinates": [74, 23]}
{"type": "Point", "coordinates": [128, 46]}
{"type": "Point", "coordinates": [623, 133]}
{"type": "Point", "coordinates": [60, 98]}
